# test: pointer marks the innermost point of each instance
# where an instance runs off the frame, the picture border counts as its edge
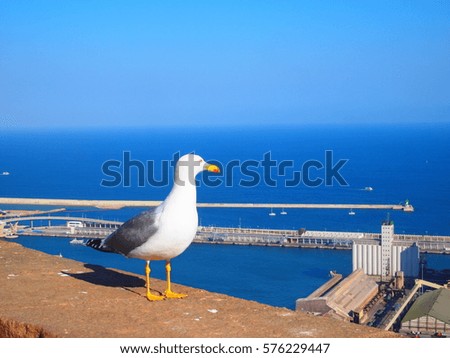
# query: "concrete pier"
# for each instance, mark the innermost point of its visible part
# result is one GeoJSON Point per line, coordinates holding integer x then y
{"type": "Point", "coordinates": [117, 204]}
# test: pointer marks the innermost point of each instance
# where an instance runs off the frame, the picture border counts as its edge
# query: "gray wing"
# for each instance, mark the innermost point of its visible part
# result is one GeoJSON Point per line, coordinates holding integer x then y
{"type": "Point", "coordinates": [134, 232]}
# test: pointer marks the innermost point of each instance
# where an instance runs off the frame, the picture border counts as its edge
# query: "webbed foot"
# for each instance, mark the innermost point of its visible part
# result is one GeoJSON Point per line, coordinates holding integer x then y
{"type": "Point", "coordinates": [170, 294]}
{"type": "Point", "coordinates": [152, 297]}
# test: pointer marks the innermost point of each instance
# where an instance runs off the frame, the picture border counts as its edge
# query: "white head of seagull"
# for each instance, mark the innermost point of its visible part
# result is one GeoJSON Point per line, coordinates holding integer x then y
{"type": "Point", "coordinates": [164, 232]}
{"type": "Point", "coordinates": [184, 191]}
{"type": "Point", "coordinates": [188, 166]}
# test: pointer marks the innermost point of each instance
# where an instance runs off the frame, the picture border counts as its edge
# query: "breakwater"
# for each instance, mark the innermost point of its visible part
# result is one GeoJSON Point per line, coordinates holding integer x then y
{"type": "Point", "coordinates": [118, 204]}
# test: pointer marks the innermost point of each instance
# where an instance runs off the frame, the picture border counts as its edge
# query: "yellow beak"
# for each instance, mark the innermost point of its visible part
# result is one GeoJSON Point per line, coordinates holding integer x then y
{"type": "Point", "coordinates": [212, 168]}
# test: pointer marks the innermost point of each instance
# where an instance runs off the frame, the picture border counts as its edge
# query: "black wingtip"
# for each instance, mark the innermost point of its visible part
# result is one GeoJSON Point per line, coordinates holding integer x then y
{"type": "Point", "coordinates": [97, 244]}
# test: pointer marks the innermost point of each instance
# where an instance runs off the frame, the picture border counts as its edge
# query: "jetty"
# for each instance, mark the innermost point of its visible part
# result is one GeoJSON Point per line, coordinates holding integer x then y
{"type": "Point", "coordinates": [118, 204]}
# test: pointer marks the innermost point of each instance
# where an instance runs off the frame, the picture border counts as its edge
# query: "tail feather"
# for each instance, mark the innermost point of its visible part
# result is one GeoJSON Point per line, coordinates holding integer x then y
{"type": "Point", "coordinates": [98, 244]}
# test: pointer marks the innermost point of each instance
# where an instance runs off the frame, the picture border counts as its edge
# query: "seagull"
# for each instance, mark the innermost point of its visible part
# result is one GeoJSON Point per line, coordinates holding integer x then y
{"type": "Point", "coordinates": [165, 231]}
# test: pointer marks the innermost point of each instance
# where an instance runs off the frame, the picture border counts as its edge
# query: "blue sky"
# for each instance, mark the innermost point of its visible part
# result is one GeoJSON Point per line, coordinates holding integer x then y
{"type": "Point", "coordinates": [85, 63]}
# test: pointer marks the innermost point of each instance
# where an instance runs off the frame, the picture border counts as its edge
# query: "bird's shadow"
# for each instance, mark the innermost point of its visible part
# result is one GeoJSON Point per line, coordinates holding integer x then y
{"type": "Point", "coordinates": [106, 277]}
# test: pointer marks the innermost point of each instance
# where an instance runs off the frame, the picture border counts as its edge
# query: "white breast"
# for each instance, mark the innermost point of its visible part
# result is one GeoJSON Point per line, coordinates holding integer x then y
{"type": "Point", "coordinates": [176, 230]}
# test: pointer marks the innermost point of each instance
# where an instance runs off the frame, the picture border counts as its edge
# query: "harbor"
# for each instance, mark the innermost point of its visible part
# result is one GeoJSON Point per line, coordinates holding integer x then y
{"type": "Point", "coordinates": [82, 227]}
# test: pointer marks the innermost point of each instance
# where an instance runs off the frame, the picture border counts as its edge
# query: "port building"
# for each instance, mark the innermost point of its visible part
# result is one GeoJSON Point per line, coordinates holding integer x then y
{"type": "Point", "coordinates": [385, 256]}
{"type": "Point", "coordinates": [429, 314]}
{"type": "Point", "coordinates": [344, 298]}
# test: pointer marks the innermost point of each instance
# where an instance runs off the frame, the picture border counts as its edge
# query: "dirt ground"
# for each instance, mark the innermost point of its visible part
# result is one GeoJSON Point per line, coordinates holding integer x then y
{"type": "Point", "coordinates": [48, 296]}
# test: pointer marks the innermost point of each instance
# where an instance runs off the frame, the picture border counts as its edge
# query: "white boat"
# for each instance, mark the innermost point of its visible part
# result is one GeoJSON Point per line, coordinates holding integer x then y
{"type": "Point", "coordinates": [5, 173]}
{"type": "Point", "coordinates": [368, 188]}
{"type": "Point", "coordinates": [11, 236]}
{"type": "Point", "coordinates": [77, 242]}
{"type": "Point", "coordinates": [283, 212]}
{"type": "Point", "coordinates": [272, 213]}
{"type": "Point", "coordinates": [351, 212]}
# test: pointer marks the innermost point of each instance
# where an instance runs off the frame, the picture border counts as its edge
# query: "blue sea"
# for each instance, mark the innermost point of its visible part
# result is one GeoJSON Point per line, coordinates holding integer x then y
{"type": "Point", "coordinates": [296, 164]}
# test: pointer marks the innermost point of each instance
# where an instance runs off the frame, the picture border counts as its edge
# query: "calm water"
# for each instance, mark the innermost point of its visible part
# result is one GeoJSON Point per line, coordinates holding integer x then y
{"type": "Point", "coordinates": [398, 162]}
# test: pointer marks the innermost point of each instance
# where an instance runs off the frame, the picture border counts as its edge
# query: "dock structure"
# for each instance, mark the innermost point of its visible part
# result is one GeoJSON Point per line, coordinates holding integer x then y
{"type": "Point", "coordinates": [333, 281]}
{"type": "Point", "coordinates": [118, 204]}
{"type": "Point", "coordinates": [62, 226]}
{"type": "Point", "coordinates": [343, 298]}
{"type": "Point", "coordinates": [312, 238]}
{"type": "Point", "coordinates": [52, 218]}
{"type": "Point", "coordinates": [294, 238]}
{"type": "Point", "coordinates": [56, 225]}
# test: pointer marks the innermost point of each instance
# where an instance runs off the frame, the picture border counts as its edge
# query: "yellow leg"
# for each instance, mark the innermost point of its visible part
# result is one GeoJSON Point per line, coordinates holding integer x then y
{"type": "Point", "coordinates": [168, 293]}
{"type": "Point", "coordinates": [150, 296]}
